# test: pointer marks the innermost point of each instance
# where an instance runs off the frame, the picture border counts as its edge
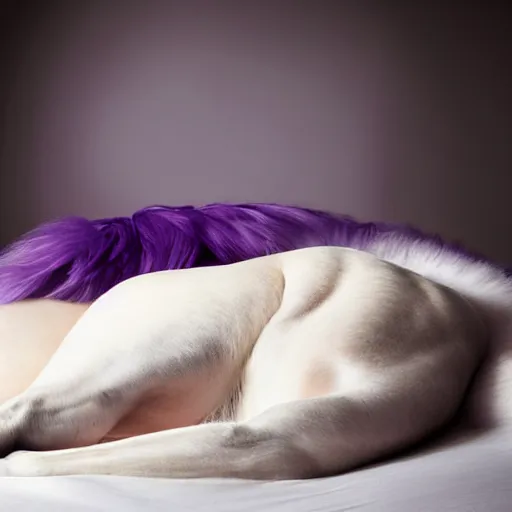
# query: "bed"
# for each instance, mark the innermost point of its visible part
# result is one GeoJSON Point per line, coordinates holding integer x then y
{"type": "Point", "coordinates": [474, 476]}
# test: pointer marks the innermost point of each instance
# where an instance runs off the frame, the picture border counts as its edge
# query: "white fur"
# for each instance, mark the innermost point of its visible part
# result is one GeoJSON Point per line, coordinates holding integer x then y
{"type": "Point", "coordinates": [488, 289]}
{"type": "Point", "coordinates": [296, 365]}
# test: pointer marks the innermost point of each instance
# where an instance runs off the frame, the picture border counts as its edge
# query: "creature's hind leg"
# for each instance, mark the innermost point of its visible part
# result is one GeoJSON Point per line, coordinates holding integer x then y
{"type": "Point", "coordinates": [298, 439]}
{"type": "Point", "coordinates": [140, 336]}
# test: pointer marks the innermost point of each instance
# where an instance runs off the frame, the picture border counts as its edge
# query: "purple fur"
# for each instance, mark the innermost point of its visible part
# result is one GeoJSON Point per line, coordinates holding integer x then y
{"type": "Point", "coordinates": [77, 260]}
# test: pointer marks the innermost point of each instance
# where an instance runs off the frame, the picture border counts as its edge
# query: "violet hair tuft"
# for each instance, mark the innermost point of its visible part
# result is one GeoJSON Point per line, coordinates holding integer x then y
{"type": "Point", "coordinates": [76, 259]}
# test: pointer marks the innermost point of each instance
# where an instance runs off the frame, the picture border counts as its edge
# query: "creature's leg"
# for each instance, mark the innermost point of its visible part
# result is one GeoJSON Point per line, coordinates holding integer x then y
{"type": "Point", "coordinates": [170, 329]}
{"type": "Point", "coordinates": [300, 439]}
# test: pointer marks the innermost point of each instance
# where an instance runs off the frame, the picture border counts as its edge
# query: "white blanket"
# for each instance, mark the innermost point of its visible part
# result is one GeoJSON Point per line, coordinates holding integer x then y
{"type": "Point", "coordinates": [475, 476]}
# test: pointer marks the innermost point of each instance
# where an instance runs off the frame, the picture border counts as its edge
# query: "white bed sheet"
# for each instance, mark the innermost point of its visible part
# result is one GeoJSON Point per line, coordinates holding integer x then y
{"type": "Point", "coordinates": [473, 477]}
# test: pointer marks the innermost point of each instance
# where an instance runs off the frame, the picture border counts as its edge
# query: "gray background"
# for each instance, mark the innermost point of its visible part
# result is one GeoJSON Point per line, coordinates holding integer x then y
{"type": "Point", "coordinates": [383, 110]}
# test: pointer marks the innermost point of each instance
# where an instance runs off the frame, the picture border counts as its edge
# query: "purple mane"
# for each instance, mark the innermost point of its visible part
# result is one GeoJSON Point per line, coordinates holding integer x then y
{"type": "Point", "coordinates": [77, 260]}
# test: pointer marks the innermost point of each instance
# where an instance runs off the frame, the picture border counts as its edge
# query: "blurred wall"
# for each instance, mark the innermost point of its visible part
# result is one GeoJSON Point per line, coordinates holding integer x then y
{"type": "Point", "coordinates": [367, 108]}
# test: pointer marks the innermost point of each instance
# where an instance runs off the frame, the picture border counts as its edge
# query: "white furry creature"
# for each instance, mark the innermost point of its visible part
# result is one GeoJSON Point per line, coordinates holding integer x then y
{"type": "Point", "coordinates": [300, 364]}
